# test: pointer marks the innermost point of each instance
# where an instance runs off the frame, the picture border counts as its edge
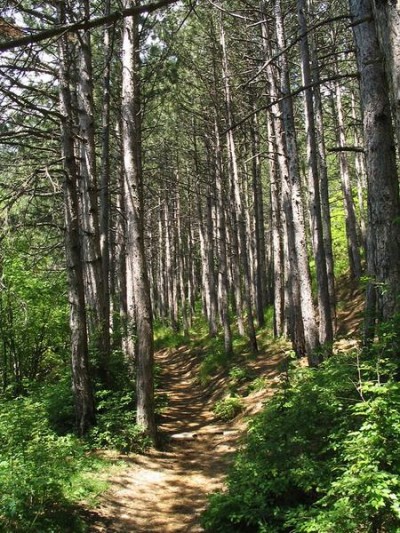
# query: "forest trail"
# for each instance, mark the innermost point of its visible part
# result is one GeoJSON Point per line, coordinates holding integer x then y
{"type": "Point", "coordinates": [166, 490]}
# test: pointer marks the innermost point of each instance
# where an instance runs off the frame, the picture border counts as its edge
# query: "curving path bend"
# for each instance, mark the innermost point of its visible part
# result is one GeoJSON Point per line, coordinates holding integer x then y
{"type": "Point", "coordinates": [166, 490]}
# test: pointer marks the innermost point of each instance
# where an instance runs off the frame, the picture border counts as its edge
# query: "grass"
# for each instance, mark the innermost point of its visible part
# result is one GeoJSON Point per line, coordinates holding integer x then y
{"type": "Point", "coordinates": [87, 484]}
{"type": "Point", "coordinates": [228, 408]}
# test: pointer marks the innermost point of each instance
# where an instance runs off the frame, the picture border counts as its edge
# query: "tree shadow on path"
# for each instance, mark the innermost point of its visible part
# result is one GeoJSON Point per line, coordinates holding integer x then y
{"type": "Point", "coordinates": [166, 489]}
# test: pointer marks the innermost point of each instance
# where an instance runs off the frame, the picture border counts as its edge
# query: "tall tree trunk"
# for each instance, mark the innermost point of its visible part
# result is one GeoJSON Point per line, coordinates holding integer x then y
{"type": "Point", "coordinates": [383, 243]}
{"type": "Point", "coordinates": [323, 173]}
{"type": "Point", "coordinates": [211, 260]}
{"type": "Point", "coordinates": [277, 228]}
{"type": "Point", "coordinates": [259, 229]}
{"type": "Point", "coordinates": [350, 215]}
{"type": "Point", "coordinates": [387, 17]}
{"type": "Point", "coordinates": [99, 328]}
{"type": "Point", "coordinates": [81, 379]}
{"type": "Point", "coordinates": [302, 279]}
{"type": "Point", "coordinates": [170, 255]}
{"type": "Point", "coordinates": [105, 197]}
{"type": "Point", "coordinates": [221, 239]}
{"type": "Point", "coordinates": [278, 170]}
{"type": "Point", "coordinates": [237, 197]}
{"type": "Point", "coordinates": [136, 259]}
{"type": "Point", "coordinates": [120, 264]}
{"type": "Point", "coordinates": [162, 292]}
{"type": "Point", "coordinates": [182, 255]}
{"type": "Point", "coordinates": [324, 305]}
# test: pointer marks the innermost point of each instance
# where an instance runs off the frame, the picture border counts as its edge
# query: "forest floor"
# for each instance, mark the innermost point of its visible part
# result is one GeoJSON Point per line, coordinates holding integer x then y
{"type": "Point", "coordinates": [165, 490]}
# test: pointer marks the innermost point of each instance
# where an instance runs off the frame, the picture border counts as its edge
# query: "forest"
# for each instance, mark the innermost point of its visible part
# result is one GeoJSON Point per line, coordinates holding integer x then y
{"type": "Point", "coordinates": [199, 204]}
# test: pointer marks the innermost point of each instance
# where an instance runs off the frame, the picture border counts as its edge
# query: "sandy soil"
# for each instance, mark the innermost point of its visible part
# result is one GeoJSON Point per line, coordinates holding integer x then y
{"type": "Point", "coordinates": [166, 490]}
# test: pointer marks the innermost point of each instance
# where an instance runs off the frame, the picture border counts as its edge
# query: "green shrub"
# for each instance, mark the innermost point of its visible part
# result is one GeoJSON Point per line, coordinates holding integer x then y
{"type": "Point", "coordinates": [238, 374]}
{"type": "Point", "coordinates": [35, 464]}
{"type": "Point", "coordinates": [258, 384]}
{"type": "Point", "coordinates": [323, 456]}
{"type": "Point", "coordinates": [227, 408]}
{"type": "Point", "coordinates": [365, 495]}
{"type": "Point", "coordinates": [57, 399]}
{"type": "Point", "coordinates": [211, 364]}
{"type": "Point", "coordinates": [116, 427]}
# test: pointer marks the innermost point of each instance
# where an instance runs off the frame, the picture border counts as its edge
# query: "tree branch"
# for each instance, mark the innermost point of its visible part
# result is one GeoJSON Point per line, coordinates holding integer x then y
{"type": "Point", "coordinates": [293, 93]}
{"type": "Point", "coordinates": [346, 149]}
{"type": "Point", "coordinates": [85, 24]}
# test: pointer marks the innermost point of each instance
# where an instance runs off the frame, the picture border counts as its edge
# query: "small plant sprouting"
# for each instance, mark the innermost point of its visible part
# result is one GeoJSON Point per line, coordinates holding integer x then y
{"type": "Point", "coordinates": [227, 408]}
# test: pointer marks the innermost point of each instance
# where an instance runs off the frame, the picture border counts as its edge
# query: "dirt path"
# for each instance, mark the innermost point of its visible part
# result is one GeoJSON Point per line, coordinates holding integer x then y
{"type": "Point", "coordinates": [166, 490]}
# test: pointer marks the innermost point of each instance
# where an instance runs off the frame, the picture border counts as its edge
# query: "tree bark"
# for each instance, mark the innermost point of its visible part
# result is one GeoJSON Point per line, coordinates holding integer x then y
{"type": "Point", "coordinates": [259, 226]}
{"type": "Point", "coordinates": [81, 379]}
{"type": "Point", "coordinates": [383, 241]}
{"type": "Point", "coordinates": [324, 305]}
{"type": "Point", "coordinates": [221, 239]}
{"type": "Point", "coordinates": [136, 260]}
{"type": "Point", "coordinates": [98, 326]}
{"type": "Point", "coordinates": [295, 215]}
{"type": "Point", "coordinates": [237, 198]}
{"type": "Point", "coordinates": [278, 170]}
{"type": "Point", "coordinates": [323, 172]}
{"type": "Point", "coordinates": [105, 197]}
{"type": "Point", "coordinates": [182, 262]}
{"type": "Point", "coordinates": [350, 215]}
{"type": "Point", "coordinates": [387, 17]}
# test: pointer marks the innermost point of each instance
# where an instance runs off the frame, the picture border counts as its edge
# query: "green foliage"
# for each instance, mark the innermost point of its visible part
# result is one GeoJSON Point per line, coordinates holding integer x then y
{"type": "Point", "coordinates": [238, 374]}
{"type": "Point", "coordinates": [89, 480]}
{"type": "Point", "coordinates": [33, 317]}
{"type": "Point", "coordinates": [35, 466]}
{"type": "Point", "coordinates": [211, 364]}
{"type": "Point", "coordinates": [258, 384]}
{"type": "Point", "coordinates": [116, 427]}
{"type": "Point", "coordinates": [365, 494]}
{"type": "Point", "coordinates": [227, 408]}
{"type": "Point", "coordinates": [323, 456]}
{"type": "Point", "coordinates": [165, 337]}
{"type": "Point", "coordinates": [57, 399]}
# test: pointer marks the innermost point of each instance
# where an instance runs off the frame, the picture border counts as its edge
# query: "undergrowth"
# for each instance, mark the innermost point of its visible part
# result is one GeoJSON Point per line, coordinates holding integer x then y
{"type": "Point", "coordinates": [323, 456]}
{"type": "Point", "coordinates": [42, 475]}
{"type": "Point", "coordinates": [227, 408]}
{"type": "Point", "coordinates": [46, 472]}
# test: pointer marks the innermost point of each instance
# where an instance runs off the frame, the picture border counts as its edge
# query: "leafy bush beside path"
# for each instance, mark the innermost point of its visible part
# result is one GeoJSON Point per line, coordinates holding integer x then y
{"type": "Point", "coordinates": [324, 454]}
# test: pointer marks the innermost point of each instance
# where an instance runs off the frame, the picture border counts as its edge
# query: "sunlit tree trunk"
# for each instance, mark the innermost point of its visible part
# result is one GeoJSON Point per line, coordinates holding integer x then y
{"type": "Point", "coordinates": [97, 309]}
{"type": "Point", "coordinates": [278, 170]}
{"type": "Point", "coordinates": [162, 281]}
{"type": "Point", "coordinates": [209, 229]}
{"type": "Point", "coordinates": [170, 255]}
{"type": "Point", "coordinates": [120, 324]}
{"type": "Point", "coordinates": [302, 277]}
{"type": "Point", "coordinates": [259, 226]}
{"type": "Point", "coordinates": [105, 177]}
{"type": "Point", "coordinates": [140, 308]}
{"type": "Point", "coordinates": [324, 305]}
{"type": "Point", "coordinates": [383, 239]}
{"type": "Point", "coordinates": [182, 260]}
{"type": "Point", "coordinates": [277, 229]}
{"type": "Point", "coordinates": [237, 199]}
{"type": "Point", "coordinates": [323, 171]}
{"type": "Point", "coordinates": [350, 215]}
{"type": "Point", "coordinates": [221, 240]}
